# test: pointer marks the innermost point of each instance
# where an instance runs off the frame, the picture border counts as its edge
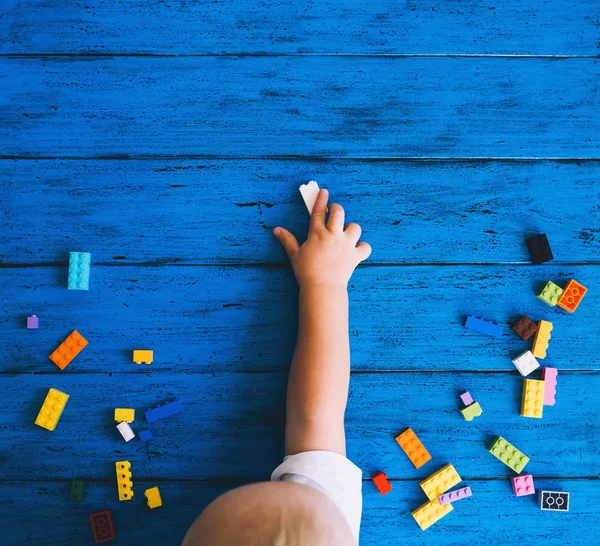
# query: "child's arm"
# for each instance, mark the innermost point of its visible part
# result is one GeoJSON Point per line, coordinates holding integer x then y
{"type": "Point", "coordinates": [320, 372]}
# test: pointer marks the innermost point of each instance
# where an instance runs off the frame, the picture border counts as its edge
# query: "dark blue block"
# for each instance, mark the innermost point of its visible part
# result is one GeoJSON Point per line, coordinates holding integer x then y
{"type": "Point", "coordinates": [145, 435]}
{"type": "Point", "coordinates": [483, 326]}
{"type": "Point", "coordinates": [165, 410]}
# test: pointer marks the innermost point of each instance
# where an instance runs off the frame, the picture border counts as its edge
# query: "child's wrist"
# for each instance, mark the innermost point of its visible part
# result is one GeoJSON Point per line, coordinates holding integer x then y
{"type": "Point", "coordinates": [326, 288]}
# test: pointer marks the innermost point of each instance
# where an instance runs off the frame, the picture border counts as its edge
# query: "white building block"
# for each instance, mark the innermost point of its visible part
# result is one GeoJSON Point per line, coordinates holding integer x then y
{"type": "Point", "coordinates": [126, 431]}
{"type": "Point", "coordinates": [526, 363]}
{"type": "Point", "coordinates": [309, 194]}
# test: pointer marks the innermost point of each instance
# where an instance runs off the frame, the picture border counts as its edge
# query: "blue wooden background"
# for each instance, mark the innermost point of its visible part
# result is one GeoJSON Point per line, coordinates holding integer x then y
{"type": "Point", "coordinates": [169, 138]}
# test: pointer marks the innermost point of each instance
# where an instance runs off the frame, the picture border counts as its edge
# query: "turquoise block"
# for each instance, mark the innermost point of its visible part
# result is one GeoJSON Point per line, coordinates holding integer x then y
{"type": "Point", "coordinates": [79, 271]}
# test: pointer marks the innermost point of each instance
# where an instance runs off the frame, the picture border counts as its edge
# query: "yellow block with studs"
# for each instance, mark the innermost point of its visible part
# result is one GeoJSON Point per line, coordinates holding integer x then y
{"type": "Point", "coordinates": [532, 403]}
{"type": "Point", "coordinates": [124, 482]}
{"type": "Point", "coordinates": [52, 409]}
{"type": "Point", "coordinates": [542, 338]}
{"type": "Point", "coordinates": [440, 482]}
{"type": "Point", "coordinates": [430, 512]}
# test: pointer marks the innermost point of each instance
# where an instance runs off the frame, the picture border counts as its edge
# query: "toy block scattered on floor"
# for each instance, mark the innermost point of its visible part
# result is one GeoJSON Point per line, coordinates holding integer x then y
{"type": "Point", "coordinates": [523, 485]}
{"type": "Point", "coordinates": [440, 482]}
{"type": "Point", "coordinates": [33, 322]}
{"type": "Point", "coordinates": [126, 431]}
{"type": "Point", "coordinates": [526, 363]}
{"type": "Point", "coordinates": [539, 249]}
{"type": "Point", "coordinates": [549, 377]}
{"type": "Point", "coordinates": [551, 293]}
{"type": "Point", "coordinates": [52, 409]}
{"type": "Point", "coordinates": [102, 526]}
{"type": "Point", "coordinates": [525, 328]}
{"type": "Point", "coordinates": [309, 194]}
{"type": "Point", "coordinates": [382, 483]}
{"type": "Point", "coordinates": [430, 512]}
{"type": "Point", "coordinates": [124, 482]}
{"type": "Point", "coordinates": [79, 271]}
{"type": "Point", "coordinates": [542, 338]}
{"type": "Point", "coordinates": [509, 454]}
{"type": "Point", "coordinates": [145, 435]}
{"type": "Point", "coordinates": [466, 398]}
{"type": "Point", "coordinates": [68, 350]}
{"type": "Point", "coordinates": [164, 410]}
{"type": "Point", "coordinates": [472, 411]}
{"type": "Point", "coordinates": [77, 490]}
{"type": "Point", "coordinates": [483, 326]}
{"type": "Point", "coordinates": [572, 296]}
{"type": "Point", "coordinates": [125, 414]}
{"type": "Point", "coordinates": [532, 402]}
{"type": "Point", "coordinates": [153, 498]}
{"type": "Point", "coordinates": [414, 449]}
{"type": "Point", "coordinates": [453, 496]}
{"type": "Point", "coordinates": [555, 501]}
{"type": "Point", "coordinates": [143, 356]}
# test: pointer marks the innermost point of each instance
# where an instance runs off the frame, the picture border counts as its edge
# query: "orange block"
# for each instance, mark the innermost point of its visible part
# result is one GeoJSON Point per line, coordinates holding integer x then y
{"type": "Point", "coordinates": [382, 483]}
{"type": "Point", "coordinates": [413, 448]}
{"type": "Point", "coordinates": [68, 350]}
{"type": "Point", "coordinates": [572, 296]}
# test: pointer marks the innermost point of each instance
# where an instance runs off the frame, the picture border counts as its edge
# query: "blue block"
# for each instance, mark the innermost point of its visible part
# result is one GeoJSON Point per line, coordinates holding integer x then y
{"type": "Point", "coordinates": [145, 435]}
{"type": "Point", "coordinates": [483, 326]}
{"type": "Point", "coordinates": [165, 410]}
{"type": "Point", "coordinates": [79, 270]}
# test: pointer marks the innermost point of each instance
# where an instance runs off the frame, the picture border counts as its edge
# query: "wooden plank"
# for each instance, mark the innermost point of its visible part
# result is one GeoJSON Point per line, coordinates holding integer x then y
{"type": "Point", "coordinates": [288, 106]}
{"type": "Point", "coordinates": [215, 319]}
{"type": "Point", "coordinates": [232, 425]}
{"type": "Point", "coordinates": [563, 27]}
{"type": "Point", "coordinates": [492, 511]}
{"type": "Point", "coordinates": [213, 211]}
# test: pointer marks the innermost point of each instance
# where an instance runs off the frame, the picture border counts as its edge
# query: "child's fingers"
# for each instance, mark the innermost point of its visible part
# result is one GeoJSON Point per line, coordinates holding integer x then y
{"type": "Point", "coordinates": [287, 240]}
{"type": "Point", "coordinates": [353, 231]}
{"type": "Point", "coordinates": [317, 218]}
{"type": "Point", "coordinates": [335, 224]}
{"type": "Point", "coordinates": [364, 251]}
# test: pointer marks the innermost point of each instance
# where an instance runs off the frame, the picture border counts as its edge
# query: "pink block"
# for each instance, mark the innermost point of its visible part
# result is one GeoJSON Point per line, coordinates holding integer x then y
{"type": "Point", "coordinates": [523, 485]}
{"type": "Point", "coordinates": [549, 377]}
{"type": "Point", "coordinates": [453, 496]}
{"type": "Point", "coordinates": [466, 398]}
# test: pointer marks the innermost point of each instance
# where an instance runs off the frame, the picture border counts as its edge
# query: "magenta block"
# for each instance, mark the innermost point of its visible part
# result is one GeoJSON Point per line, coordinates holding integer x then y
{"type": "Point", "coordinates": [523, 485]}
{"type": "Point", "coordinates": [453, 496]}
{"type": "Point", "coordinates": [33, 322]}
{"type": "Point", "coordinates": [549, 377]}
{"type": "Point", "coordinates": [466, 398]}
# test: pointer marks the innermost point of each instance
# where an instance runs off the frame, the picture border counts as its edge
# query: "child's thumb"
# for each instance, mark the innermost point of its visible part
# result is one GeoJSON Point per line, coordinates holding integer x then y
{"type": "Point", "coordinates": [287, 240]}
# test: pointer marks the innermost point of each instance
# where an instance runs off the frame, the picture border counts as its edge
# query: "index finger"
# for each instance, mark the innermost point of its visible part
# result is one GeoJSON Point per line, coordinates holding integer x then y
{"type": "Point", "coordinates": [317, 217]}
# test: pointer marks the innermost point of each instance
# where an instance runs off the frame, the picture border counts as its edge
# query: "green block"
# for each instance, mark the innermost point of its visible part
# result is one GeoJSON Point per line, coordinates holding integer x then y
{"type": "Point", "coordinates": [474, 410]}
{"type": "Point", "coordinates": [509, 454]}
{"type": "Point", "coordinates": [551, 293]}
{"type": "Point", "coordinates": [77, 491]}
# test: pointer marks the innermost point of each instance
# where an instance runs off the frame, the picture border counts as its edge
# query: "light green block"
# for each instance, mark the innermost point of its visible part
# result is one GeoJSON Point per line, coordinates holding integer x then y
{"type": "Point", "coordinates": [551, 293]}
{"type": "Point", "coordinates": [509, 454]}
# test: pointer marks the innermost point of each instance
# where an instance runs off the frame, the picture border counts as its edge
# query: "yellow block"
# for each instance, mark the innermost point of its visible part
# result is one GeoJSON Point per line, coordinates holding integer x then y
{"type": "Point", "coordinates": [142, 356]}
{"type": "Point", "coordinates": [532, 403]}
{"type": "Point", "coordinates": [440, 482]}
{"type": "Point", "coordinates": [153, 498]}
{"type": "Point", "coordinates": [542, 337]}
{"type": "Point", "coordinates": [52, 409]}
{"type": "Point", "coordinates": [124, 482]}
{"type": "Point", "coordinates": [430, 512]}
{"type": "Point", "coordinates": [124, 414]}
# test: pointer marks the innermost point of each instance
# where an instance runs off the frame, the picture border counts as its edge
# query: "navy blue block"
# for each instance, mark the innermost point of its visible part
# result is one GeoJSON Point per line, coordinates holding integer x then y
{"type": "Point", "coordinates": [165, 410]}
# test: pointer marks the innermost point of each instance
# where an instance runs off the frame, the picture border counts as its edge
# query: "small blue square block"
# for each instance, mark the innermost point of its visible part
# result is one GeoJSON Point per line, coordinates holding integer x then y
{"type": "Point", "coordinates": [79, 270]}
{"type": "Point", "coordinates": [483, 326]}
{"type": "Point", "coordinates": [145, 435]}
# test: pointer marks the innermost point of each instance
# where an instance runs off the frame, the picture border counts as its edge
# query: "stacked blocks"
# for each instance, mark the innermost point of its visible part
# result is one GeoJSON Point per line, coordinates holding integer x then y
{"type": "Point", "coordinates": [102, 526]}
{"type": "Point", "coordinates": [472, 409]}
{"type": "Point", "coordinates": [556, 501]}
{"type": "Point", "coordinates": [33, 322]}
{"type": "Point", "coordinates": [525, 328]}
{"type": "Point", "coordinates": [145, 435]}
{"type": "Point", "coordinates": [79, 271]}
{"type": "Point", "coordinates": [414, 449]}
{"type": "Point", "coordinates": [551, 293]}
{"type": "Point", "coordinates": [430, 512]}
{"type": "Point", "coordinates": [143, 356]}
{"type": "Point", "coordinates": [124, 482]}
{"type": "Point", "coordinates": [483, 326]}
{"type": "Point", "coordinates": [68, 350]}
{"type": "Point", "coordinates": [549, 377]}
{"type": "Point", "coordinates": [572, 296]}
{"type": "Point", "coordinates": [509, 455]}
{"type": "Point", "coordinates": [77, 491]}
{"type": "Point", "coordinates": [124, 414]}
{"type": "Point", "coordinates": [153, 498]}
{"type": "Point", "coordinates": [523, 485]}
{"type": "Point", "coordinates": [164, 410]}
{"type": "Point", "coordinates": [539, 249]}
{"type": "Point", "coordinates": [126, 431]}
{"type": "Point", "coordinates": [382, 483]}
{"type": "Point", "coordinates": [466, 398]}
{"type": "Point", "coordinates": [526, 363]}
{"type": "Point", "coordinates": [52, 409]}
{"type": "Point", "coordinates": [532, 403]}
{"type": "Point", "coordinates": [440, 482]}
{"type": "Point", "coordinates": [453, 496]}
{"type": "Point", "coordinates": [542, 337]}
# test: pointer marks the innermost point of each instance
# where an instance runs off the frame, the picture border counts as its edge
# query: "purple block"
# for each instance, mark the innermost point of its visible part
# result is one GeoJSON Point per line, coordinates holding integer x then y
{"type": "Point", "coordinates": [33, 322]}
{"type": "Point", "coordinates": [466, 398]}
{"type": "Point", "coordinates": [145, 435]}
{"type": "Point", "coordinates": [165, 410]}
{"type": "Point", "coordinates": [456, 495]}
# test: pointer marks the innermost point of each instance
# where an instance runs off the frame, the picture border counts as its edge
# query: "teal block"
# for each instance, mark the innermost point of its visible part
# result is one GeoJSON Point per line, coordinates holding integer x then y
{"type": "Point", "coordinates": [79, 270]}
{"type": "Point", "coordinates": [551, 293]}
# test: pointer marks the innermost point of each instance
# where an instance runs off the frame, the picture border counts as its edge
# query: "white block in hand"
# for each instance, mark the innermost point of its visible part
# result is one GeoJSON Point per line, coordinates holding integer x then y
{"type": "Point", "coordinates": [309, 194]}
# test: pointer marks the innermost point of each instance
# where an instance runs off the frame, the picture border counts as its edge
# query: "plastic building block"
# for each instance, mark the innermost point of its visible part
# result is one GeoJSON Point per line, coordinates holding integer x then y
{"type": "Point", "coordinates": [525, 328]}
{"type": "Point", "coordinates": [551, 293]}
{"type": "Point", "coordinates": [523, 485]}
{"type": "Point", "coordinates": [145, 435]}
{"type": "Point", "coordinates": [414, 449]}
{"type": "Point", "coordinates": [124, 414]}
{"type": "Point", "coordinates": [164, 410]}
{"type": "Point", "coordinates": [33, 322]}
{"type": "Point", "coordinates": [52, 409]}
{"type": "Point", "coordinates": [382, 483]}
{"type": "Point", "coordinates": [77, 491]}
{"type": "Point", "coordinates": [474, 410]}
{"type": "Point", "coordinates": [509, 454]}
{"type": "Point", "coordinates": [68, 350]}
{"type": "Point", "coordinates": [532, 402]}
{"type": "Point", "coordinates": [126, 431]}
{"type": "Point", "coordinates": [483, 326]}
{"type": "Point", "coordinates": [466, 398]}
{"type": "Point", "coordinates": [143, 356]}
{"type": "Point", "coordinates": [526, 363]}
{"type": "Point", "coordinates": [124, 482]}
{"type": "Point", "coordinates": [153, 498]}
{"type": "Point", "coordinates": [556, 501]}
{"type": "Point", "coordinates": [102, 526]}
{"type": "Point", "coordinates": [79, 271]}
{"type": "Point", "coordinates": [542, 337]}
{"type": "Point", "coordinates": [309, 194]}
{"type": "Point", "coordinates": [430, 512]}
{"type": "Point", "coordinates": [549, 377]}
{"type": "Point", "coordinates": [440, 482]}
{"type": "Point", "coordinates": [539, 249]}
{"type": "Point", "coordinates": [453, 496]}
{"type": "Point", "coordinates": [572, 296]}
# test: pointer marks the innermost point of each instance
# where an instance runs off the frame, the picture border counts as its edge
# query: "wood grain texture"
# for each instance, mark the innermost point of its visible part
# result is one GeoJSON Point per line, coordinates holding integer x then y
{"type": "Point", "coordinates": [232, 425]}
{"type": "Point", "coordinates": [161, 211]}
{"type": "Point", "coordinates": [556, 27]}
{"type": "Point", "coordinates": [209, 319]}
{"type": "Point", "coordinates": [230, 107]}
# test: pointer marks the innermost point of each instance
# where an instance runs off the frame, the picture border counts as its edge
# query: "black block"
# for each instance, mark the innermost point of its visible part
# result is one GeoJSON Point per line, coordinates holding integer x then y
{"type": "Point", "coordinates": [539, 249]}
{"type": "Point", "coordinates": [554, 500]}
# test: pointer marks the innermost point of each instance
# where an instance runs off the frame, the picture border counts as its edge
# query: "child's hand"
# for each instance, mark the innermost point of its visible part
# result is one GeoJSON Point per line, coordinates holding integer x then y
{"type": "Point", "coordinates": [331, 253]}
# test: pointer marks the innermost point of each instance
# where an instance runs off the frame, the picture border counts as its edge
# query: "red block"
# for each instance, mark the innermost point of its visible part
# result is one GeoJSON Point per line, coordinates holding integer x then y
{"type": "Point", "coordinates": [382, 483]}
{"type": "Point", "coordinates": [102, 526]}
